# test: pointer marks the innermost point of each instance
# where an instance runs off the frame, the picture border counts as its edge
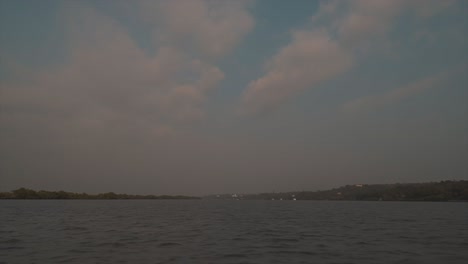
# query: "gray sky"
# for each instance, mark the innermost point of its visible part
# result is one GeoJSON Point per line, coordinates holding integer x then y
{"type": "Point", "coordinates": [199, 97]}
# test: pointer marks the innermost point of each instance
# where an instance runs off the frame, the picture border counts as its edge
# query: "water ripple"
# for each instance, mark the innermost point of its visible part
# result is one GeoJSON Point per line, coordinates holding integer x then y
{"type": "Point", "coordinates": [226, 232]}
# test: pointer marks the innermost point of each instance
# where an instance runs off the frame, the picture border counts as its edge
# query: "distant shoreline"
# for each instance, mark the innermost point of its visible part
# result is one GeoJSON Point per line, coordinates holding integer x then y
{"type": "Point", "coordinates": [443, 191]}
{"type": "Point", "coordinates": [29, 194]}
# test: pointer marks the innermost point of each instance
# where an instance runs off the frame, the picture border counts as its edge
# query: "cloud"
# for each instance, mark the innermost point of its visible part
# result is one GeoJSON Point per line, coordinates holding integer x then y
{"type": "Point", "coordinates": [109, 81]}
{"type": "Point", "coordinates": [395, 95]}
{"type": "Point", "coordinates": [113, 108]}
{"type": "Point", "coordinates": [362, 24]}
{"type": "Point", "coordinates": [343, 31]}
{"type": "Point", "coordinates": [212, 28]}
{"type": "Point", "coordinates": [311, 57]}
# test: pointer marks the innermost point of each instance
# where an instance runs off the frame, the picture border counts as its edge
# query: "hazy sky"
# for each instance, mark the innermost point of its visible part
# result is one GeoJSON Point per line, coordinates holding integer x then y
{"type": "Point", "coordinates": [198, 97]}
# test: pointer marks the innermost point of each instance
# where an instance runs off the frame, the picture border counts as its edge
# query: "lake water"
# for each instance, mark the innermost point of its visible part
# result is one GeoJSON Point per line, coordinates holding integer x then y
{"type": "Point", "coordinates": [215, 231]}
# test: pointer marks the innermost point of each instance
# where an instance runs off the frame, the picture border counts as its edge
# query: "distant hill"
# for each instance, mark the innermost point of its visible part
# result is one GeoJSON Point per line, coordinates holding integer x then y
{"type": "Point", "coordinates": [24, 193]}
{"type": "Point", "coordinates": [430, 191]}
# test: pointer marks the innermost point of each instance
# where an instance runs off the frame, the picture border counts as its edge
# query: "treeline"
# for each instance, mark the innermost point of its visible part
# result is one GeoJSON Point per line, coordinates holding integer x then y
{"type": "Point", "coordinates": [431, 191]}
{"type": "Point", "coordinates": [24, 193]}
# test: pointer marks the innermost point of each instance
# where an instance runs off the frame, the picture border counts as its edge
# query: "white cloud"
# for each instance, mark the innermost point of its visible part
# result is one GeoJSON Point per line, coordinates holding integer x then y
{"type": "Point", "coordinates": [361, 25]}
{"type": "Point", "coordinates": [212, 28]}
{"type": "Point", "coordinates": [309, 59]}
{"type": "Point", "coordinates": [348, 30]}
{"type": "Point", "coordinates": [376, 101]}
{"type": "Point", "coordinates": [109, 81]}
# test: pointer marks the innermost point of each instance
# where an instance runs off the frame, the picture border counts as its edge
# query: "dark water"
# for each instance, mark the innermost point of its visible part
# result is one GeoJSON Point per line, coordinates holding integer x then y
{"type": "Point", "coordinates": [204, 231]}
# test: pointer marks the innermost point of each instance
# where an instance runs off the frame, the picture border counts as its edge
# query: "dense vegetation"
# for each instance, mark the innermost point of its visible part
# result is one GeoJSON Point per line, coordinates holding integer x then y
{"type": "Point", "coordinates": [432, 191]}
{"type": "Point", "coordinates": [24, 193]}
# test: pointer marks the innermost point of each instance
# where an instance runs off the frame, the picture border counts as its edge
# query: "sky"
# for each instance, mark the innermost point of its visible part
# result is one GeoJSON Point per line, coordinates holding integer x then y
{"type": "Point", "coordinates": [200, 97]}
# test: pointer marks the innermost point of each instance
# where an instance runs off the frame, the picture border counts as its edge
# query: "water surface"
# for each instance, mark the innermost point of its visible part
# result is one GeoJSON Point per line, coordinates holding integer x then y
{"type": "Point", "coordinates": [214, 231]}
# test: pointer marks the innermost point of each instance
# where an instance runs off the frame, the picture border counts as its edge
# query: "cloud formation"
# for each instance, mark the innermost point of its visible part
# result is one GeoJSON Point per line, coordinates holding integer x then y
{"type": "Point", "coordinates": [108, 79]}
{"type": "Point", "coordinates": [135, 96]}
{"type": "Point", "coordinates": [356, 23]}
{"type": "Point", "coordinates": [346, 31]}
{"type": "Point", "coordinates": [212, 28]}
{"type": "Point", "coordinates": [375, 101]}
{"type": "Point", "coordinates": [309, 59]}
